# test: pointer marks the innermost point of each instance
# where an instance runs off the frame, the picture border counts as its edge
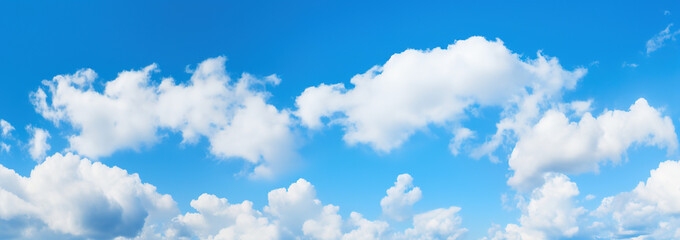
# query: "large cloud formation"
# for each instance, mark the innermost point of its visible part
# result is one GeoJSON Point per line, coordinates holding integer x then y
{"type": "Point", "coordinates": [296, 213]}
{"type": "Point", "coordinates": [131, 110]}
{"type": "Point", "coordinates": [69, 197]}
{"type": "Point", "coordinates": [650, 211]}
{"type": "Point", "coordinates": [418, 88]}
{"type": "Point", "coordinates": [555, 144]}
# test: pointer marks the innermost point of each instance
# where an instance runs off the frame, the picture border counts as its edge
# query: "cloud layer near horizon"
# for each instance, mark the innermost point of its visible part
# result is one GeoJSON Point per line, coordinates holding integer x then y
{"type": "Point", "coordinates": [67, 196]}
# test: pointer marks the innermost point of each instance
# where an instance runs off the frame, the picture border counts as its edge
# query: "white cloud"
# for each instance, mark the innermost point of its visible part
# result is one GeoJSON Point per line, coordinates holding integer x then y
{"type": "Point", "coordinates": [629, 65]}
{"type": "Point", "coordinates": [436, 224]}
{"type": "Point", "coordinates": [326, 226]}
{"type": "Point", "coordinates": [555, 144]}
{"type": "Point", "coordinates": [590, 197]}
{"type": "Point", "coordinates": [68, 196]}
{"type": "Point", "coordinates": [294, 206]}
{"type": "Point", "coordinates": [650, 210]}
{"type": "Point", "coordinates": [296, 213]}
{"type": "Point", "coordinates": [459, 136]}
{"type": "Point", "coordinates": [397, 204]}
{"type": "Point", "coordinates": [660, 39]}
{"type": "Point", "coordinates": [418, 88]}
{"type": "Point", "coordinates": [218, 219]}
{"type": "Point", "coordinates": [550, 214]}
{"type": "Point", "coordinates": [365, 229]}
{"type": "Point", "coordinates": [579, 108]}
{"type": "Point", "coordinates": [37, 145]}
{"type": "Point", "coordinates": [4, 147]}
{"type": "Point", "coordinates": [130, 111]}
{"type": "Point", "coordinates": [6, 128]}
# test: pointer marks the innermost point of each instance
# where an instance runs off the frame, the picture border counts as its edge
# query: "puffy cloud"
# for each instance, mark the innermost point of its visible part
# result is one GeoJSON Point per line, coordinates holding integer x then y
{"type": "Point", "coordinates": [37, 145]}
{"type": "Point", "coordinates": [217, 219]}
{"type": "Point", "coordinates": [660, 39]}
{"type": "Point", "coordinates": [326, 226]}
{"type": "Point", "coordinates": [551, 212]}
{"type": "Point", "coordinates": [72, 197]}
{"type": "Point", "coordinates": [296, 213]}
{"type": "Point", "coordinates": [648, 211]}
{"type": "Point", "coordinates": [365, 229]}
{"type": "Point", "coordinates": [418, 88]}
{"type": "Point", "coordinates": [131, 109]}
{"type": "Point", "coordinates": [5, 128]}
{"type": "Point", "coordinates": [397, 204]}
{"type": "Point", "coordinates": [555, 144]}
{"type": "Point", "coordinates": [436, 224]}
{"type": "Point", "coordinates": [294, 206]}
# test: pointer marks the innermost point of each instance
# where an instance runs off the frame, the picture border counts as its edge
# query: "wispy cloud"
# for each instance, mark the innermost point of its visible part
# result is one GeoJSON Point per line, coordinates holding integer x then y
{"type": "Point", "coordinates": [660, 39]}
{"type": "Point", "coordinates": [629, 65]}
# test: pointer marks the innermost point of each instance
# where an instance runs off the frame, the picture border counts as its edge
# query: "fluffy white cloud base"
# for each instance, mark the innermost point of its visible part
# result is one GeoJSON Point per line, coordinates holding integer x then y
{"type": "Point", "coordinates": [551, 212]}
{"type": "Point", "coordinates": [556, 144]}
{"type": "Point", "coordinates": [68, 197]}
{"type": "Point", "coordinates": [131, 109]}
{"type": "Point", "coordinates": [418, 88]}
{"type": "Point", "coordinates": [295, 212]}
{"type": "Point", "coordinates": [650, 211]}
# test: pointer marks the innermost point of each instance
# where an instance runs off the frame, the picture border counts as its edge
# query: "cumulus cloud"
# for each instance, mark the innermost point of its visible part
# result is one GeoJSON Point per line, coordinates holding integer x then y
{"type": "Point", "coordinates": [550, 214]}
{"type": "Point", "coordinates": [132, 109]}
{"type": "Point", "coordinates": [418, 88]}
{"type": "Point", "coordinates": [556, 144]}
{"type": "Point", "coordinates": [6, 128]}
{"type": "Point", "coordinates": [296, 213]}
{"type": "Point", "coordinates": [443, 223]}
{"type": "Point", "coordinates": [661, 38]}
{"type": "Point", "coordinates": [37, 145]}
{"type": "Point", "coordinates": [365, 229]}
{"type": "Point", "coordinates": [648, 211]}
{"type": "Point", "coordinates": [218, 219]}
{"type": "Point", "coordinates": [397, 204]}
{"type": "Point", "coordinates": [67, 196]}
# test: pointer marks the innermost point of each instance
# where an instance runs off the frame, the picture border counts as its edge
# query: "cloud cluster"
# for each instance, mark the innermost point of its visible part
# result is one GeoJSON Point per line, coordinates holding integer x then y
{"type": "Point", "coordinates": [295, 212]}
{"type": "Point", "coordinates": [650, 210]}
{"type": "Point", "coordinates": [418, 88]}
{"type": "Point", "coordinates": [131, 110]}
{"type": "Point", "coordinates": [550, 214]}
{"type": "Point", "coordinates": [555, 144]}
{"type": "Point", "coordinates": [67, 196]}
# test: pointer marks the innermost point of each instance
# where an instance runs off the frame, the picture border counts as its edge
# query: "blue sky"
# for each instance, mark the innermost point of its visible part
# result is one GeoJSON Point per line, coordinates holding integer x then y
{"type": "Point", "coordinates": [311, 44]}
